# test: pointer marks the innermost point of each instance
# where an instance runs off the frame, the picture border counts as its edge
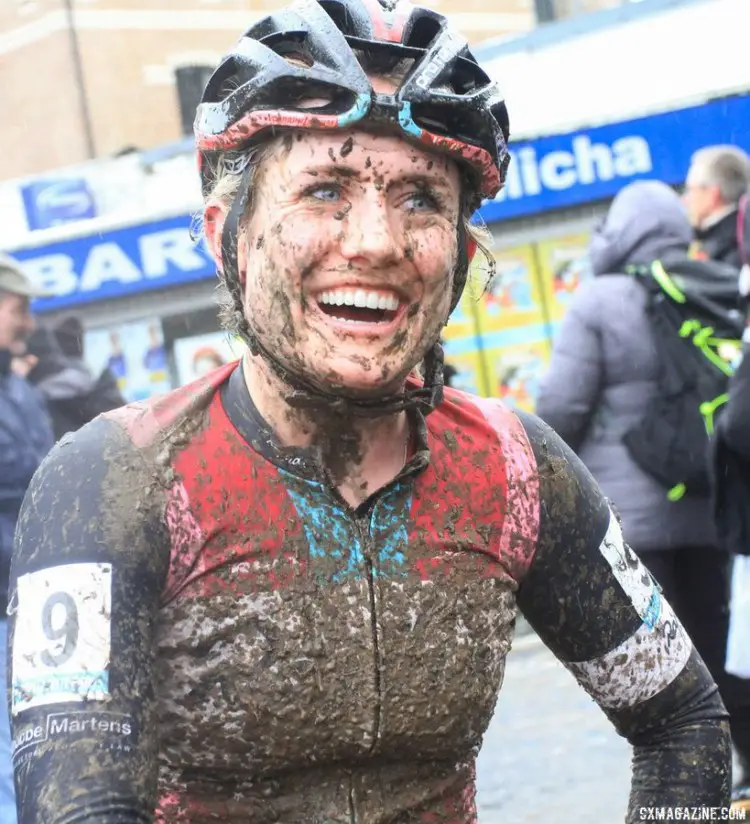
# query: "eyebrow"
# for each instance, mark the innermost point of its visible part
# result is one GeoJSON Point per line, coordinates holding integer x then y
{"type": "Point", "coordinates": [340, 171]}
{"type": "Point", "coordinates": [425, 180]}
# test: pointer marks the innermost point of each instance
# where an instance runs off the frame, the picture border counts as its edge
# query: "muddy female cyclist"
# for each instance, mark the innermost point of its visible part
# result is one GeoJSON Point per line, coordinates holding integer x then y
{"type": "Point", "coordinates": [286, 592]}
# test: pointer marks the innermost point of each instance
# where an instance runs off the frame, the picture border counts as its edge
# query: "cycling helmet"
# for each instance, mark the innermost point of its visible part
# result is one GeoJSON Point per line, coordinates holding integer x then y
{"type": "Point", "coordinates": [298, 68]}
{"type": "Point", "coordinates": [446, 102]}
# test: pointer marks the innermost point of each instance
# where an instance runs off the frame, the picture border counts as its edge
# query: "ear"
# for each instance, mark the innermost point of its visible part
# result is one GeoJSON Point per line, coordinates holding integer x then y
{"type": "Point", "coordinates": [214, 216]}
{"type": "Point", "coordinates": [717, 198]}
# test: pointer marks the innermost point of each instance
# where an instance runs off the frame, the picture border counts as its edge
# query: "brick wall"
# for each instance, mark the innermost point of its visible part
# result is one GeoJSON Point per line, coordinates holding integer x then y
{"type": "Point", "coordinates": [128, 51]}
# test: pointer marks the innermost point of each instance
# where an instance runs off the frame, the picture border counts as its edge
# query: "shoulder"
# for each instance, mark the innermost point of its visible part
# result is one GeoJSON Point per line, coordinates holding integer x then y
{"type": "Point", "coordinates": [80, 460]}
{"type": "Point", "coordinates": [18, 389]}
{"type": "Point", "coordinates": [569, 496]}
{"type": "Point", "coordinates": [95, 486]}
{"type": "Point", "coordinates": [606, 289]}
{"type": "Point", "coordinates": [146, 422]}
{"type": "Point", "coordinates": [480, 419]}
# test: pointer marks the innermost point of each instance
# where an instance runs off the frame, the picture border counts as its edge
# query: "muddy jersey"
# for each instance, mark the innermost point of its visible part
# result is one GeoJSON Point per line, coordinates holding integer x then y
{"type": "Point", "coordinates": [203, 630]}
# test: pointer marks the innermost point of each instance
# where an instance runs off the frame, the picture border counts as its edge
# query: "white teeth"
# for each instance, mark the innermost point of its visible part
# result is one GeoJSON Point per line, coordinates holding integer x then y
{"type": "Point", "coordinates": [361, 298]}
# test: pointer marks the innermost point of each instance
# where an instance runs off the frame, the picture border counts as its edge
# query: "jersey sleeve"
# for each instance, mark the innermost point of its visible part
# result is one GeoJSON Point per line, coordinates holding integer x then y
{"type": "Point", "coordinates": [91, 555]}
{"type": "Point", "coordinates": [597, 608]}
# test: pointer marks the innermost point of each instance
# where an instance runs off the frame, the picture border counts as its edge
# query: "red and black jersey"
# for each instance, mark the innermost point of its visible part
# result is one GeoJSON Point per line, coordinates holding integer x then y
{"type": "Point", "coordinates": [203, 630]}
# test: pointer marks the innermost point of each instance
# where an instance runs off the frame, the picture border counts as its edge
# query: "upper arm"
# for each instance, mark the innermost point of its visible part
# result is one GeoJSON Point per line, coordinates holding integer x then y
{"type": "Point", "coordinates": [571, 384]}
{"type": "Point", "coordinates": [89, 562]}
{"type": "Point", "coordinates": [596, 606]}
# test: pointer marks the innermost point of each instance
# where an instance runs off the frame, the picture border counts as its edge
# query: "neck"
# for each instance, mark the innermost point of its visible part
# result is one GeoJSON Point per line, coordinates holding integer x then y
{"type": "Point", "coordinates": [717, 216]}
{"type": "Point", "coordinates": [358, 454]}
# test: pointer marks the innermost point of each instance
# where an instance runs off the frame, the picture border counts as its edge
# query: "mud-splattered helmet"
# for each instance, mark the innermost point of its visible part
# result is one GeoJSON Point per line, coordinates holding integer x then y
{"type": "Point", "coordinates": [307, 52]}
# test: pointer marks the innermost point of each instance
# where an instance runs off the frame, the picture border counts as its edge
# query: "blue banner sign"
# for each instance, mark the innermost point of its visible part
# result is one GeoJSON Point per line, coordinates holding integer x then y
{"type": "Point", "coordinates": [594, 164]}
{"type": "Point", "coordinates": [117, 263]}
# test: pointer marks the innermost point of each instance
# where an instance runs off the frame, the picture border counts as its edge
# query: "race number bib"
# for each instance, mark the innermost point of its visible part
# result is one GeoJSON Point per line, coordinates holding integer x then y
{"type": "Point", "coordinates": [61, 645]}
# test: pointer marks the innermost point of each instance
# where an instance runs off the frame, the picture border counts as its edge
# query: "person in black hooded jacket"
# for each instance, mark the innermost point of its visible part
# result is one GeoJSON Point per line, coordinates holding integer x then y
{"type": "Point", "coordinates": [74, 396]}
{"type": "Point", "coordinates": [731, 457]}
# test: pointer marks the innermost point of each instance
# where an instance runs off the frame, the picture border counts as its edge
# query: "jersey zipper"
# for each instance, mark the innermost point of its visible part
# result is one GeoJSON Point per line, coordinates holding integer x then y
{"type": "Point", "coordinates": [365, 531]}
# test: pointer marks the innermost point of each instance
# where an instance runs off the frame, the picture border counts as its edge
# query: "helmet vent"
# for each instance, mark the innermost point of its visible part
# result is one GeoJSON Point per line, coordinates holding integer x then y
{"type": "Point", "coordinates": [423, 32]}
{"type": "Point", "coordinates": [340, 15]}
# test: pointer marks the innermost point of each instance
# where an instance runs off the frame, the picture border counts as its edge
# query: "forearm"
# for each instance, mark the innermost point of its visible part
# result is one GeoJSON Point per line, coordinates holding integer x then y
{"type": "Point", "coordinates": [681, 745]}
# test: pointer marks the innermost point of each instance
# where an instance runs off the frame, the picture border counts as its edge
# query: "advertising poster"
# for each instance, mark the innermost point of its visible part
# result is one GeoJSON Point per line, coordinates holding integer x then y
{"type": "Point", "coordinates": [135, 353]}
{"type": "Point", "coordinates": [514, 306]}
{"type": "Point", "coordinates": [500, 340]}
{"type": "Point", "coordinates": [470, 374]}
{"type": "Point", "coordinates": [516, 372]}
{"type": "Point", "coordinates": [564, 266]}
{"type": "Point", "coordinates": [199, 354]}
{"type": "Point", "coordinates": [460, 337]}
{"type": "Point", "coordinates": [515, 328]}
{"type": "Point", "coordinates": [500, 337]}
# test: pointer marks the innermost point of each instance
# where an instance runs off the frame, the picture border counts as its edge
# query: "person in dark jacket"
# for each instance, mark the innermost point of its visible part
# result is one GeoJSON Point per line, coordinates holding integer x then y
{"type": "Point", "coordinates": [732, 512]}
{"type": "Point", "coordinates": [25, 439]}
{"type": "Point", "coordinates": [717, 179]}
{"type": "Point", "coordinates": [69, 334]}
{"type": "Point", "coordinates": [602, 375]}
{"type": "Point", "coordinates": [74, 396]}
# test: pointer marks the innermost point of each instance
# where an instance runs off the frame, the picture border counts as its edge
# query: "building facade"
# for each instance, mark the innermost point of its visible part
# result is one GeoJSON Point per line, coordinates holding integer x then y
{"type": "Point", "coordinates": [86, 79]}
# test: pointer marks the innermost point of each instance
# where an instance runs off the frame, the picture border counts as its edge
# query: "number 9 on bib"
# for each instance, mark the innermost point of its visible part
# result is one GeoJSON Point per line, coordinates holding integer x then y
{"type": "Point", "coordinates": [61, 644]}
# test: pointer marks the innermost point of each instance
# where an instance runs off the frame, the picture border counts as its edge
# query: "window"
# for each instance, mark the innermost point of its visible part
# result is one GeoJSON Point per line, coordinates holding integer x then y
{"type": "Point", "coordinates": [191, 80]}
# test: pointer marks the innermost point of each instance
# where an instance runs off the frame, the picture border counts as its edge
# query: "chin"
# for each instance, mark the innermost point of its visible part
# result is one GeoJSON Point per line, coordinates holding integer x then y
{"type": "Point", "coordinates": [361, 380]}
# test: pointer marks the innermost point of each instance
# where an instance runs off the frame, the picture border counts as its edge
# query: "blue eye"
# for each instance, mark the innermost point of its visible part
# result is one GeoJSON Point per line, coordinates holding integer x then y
{"type": "Point", "coordinates": [329, 192]}
{"type": "Point", "coordinates": [422, 201]}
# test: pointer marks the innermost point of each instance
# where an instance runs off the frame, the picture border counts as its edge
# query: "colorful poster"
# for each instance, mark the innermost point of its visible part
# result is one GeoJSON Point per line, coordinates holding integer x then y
{"type": "Point", "coordinates": [136, 354]}
{"type": "Point", "coordinates": [512, 311]}
{"type": "Point", "coordinates": [469, 375]}
{"type": "Point", "coordinates": [516, 372]}
{"type": "Point", "coordinates": [500, 337]}
{"type": "Point", "coordinates": [512, 290]}
{"type": "Point", "coordinates": [564, 264]}
{"type": "Point", "coordinates": [199, 354]}
{"type": "Point", "coordinates": [460, 337]}
{"type": "Point", "coordinates": [500, 323]}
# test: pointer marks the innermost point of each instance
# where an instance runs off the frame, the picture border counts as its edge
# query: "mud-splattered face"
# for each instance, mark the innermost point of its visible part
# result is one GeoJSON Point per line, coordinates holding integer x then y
{"type": "Point", "coordinates": [348, 256]}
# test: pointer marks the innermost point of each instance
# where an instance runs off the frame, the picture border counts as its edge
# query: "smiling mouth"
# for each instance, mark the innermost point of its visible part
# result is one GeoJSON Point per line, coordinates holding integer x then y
{"type": "Point", "coordinates": [359, 305]}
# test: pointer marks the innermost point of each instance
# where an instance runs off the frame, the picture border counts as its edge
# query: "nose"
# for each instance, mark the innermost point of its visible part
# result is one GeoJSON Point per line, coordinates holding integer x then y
{"type": "Point", "coordinates": [371, 231]}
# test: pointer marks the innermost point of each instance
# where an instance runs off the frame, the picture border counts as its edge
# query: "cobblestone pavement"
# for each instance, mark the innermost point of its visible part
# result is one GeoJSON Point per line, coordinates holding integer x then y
{"type": "Point", "coordinates": [550, 754]}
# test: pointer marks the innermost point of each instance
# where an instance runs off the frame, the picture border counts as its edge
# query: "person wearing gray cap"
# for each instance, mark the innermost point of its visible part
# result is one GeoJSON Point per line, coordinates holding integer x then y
{"type": "Point", "coordinates": [25, 439]}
